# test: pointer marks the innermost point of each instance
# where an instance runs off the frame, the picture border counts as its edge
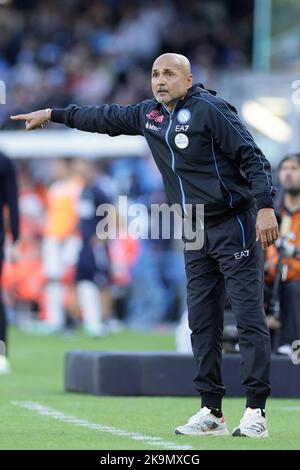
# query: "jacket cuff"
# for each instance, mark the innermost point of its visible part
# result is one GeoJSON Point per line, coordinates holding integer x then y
{"type": "Point", "coordinates": [58, 115]}
{"type": "Point", "coordinates": [264, 200]}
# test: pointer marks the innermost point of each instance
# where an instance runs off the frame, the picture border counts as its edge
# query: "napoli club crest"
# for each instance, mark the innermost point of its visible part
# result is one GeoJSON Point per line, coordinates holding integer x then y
{"type": "Point", "coordinates": [184, 116]}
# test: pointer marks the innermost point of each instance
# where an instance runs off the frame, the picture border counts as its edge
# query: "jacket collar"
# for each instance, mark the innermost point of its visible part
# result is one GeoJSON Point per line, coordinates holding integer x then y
{"type": "Point", "coordinates": [198, 88]}
{"type": "Point", "coordinates": [194, 90]}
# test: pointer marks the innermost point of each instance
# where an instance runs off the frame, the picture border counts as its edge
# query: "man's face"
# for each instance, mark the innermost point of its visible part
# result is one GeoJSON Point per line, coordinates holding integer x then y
{"type": "Point", "coordinates": [170, 81]}
{"type": "Point", "coordinates": [289, 176]}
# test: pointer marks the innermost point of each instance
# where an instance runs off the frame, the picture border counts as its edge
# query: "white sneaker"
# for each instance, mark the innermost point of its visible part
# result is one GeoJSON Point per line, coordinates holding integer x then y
{"type": "Point", "coordinates": [4, 365]}
{"type": "Point", "coordinates": [204, 423]}
{"type": "Point", "coordinates": [252, 424]}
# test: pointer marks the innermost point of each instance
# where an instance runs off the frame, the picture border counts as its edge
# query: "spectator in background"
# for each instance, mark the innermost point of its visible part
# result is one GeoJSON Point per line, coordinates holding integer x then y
{"type": "Point", "coordinates": [24, 293]}
{"type": "Point", "coordinates": [61, 241]}
{"type": "Point", "coordinates": [9, 198]}
{"type": "Point", "coordinates": [93, 267]}
{"type": "Point", "coordinates": [289, 247]}
{"type": "Point", "coordinates": [124, 252]}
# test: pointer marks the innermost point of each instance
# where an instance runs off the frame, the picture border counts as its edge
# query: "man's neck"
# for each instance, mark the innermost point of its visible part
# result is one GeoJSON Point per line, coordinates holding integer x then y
{"type": "Point", "coordinates": [171, 105]}
{"type": "Point", "coordinates": [291, 202]}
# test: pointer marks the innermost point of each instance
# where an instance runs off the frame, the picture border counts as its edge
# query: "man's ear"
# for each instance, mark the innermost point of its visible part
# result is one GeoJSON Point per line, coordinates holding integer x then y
{"type": "Point", "coordinates": [189, 81]}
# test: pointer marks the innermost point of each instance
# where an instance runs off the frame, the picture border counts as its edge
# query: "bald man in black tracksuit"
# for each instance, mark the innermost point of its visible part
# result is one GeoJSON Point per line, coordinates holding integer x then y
{"type": "Point", "coordinates": [206, 156]}
{"type": "Point", "coordinates": [8, 198]}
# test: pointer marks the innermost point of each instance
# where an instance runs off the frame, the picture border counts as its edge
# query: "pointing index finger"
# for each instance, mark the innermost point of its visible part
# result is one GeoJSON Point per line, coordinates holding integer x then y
{"type": "Point", "coordinates": [18, 117]}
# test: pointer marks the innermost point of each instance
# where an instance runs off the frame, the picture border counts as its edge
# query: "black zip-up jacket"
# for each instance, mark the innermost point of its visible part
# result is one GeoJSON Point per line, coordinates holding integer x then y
{"type": "Point", "coordinates": [203, 151]}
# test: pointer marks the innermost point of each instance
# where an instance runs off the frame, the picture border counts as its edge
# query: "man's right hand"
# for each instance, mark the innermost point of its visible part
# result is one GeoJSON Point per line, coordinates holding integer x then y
{"type": "Point", "coordinates": [34, 120]}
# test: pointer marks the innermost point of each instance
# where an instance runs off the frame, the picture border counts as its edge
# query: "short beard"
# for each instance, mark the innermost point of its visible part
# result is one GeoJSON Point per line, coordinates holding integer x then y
{"type": "Point", "coordinates": [164, 101]}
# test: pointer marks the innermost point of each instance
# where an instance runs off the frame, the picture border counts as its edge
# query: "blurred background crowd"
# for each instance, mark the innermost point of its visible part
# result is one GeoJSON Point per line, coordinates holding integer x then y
{"type": "Point", "coordinates": [141, 281]}
{"type": "Point", "coordinates": [53, 53]}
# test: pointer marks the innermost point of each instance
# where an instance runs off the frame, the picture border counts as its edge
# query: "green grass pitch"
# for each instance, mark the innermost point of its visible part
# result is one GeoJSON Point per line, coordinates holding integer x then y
{"type": "Point", "coordinates": [37, 364]}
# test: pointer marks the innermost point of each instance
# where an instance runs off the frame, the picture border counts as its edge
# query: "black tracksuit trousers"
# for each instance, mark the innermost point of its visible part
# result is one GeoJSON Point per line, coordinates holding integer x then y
{"type": "Point", "coordinates": [231, 258]}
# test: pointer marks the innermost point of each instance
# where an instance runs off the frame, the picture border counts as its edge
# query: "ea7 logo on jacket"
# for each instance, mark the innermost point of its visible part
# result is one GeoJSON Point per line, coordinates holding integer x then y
{"type": "Point", "coordinates": [241, 254]}
{"type": "Point", "coordinates": [155, 116]}
{"type": "Point", "coordinates": [181, 128]}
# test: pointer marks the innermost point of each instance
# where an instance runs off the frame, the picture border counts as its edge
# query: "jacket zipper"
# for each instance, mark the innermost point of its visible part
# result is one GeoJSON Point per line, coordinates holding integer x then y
{"type": "Point", "coordinates": [173, 157]}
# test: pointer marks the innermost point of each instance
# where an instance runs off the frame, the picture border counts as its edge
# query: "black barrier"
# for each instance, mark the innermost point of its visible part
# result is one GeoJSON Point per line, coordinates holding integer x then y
{"type": "Point", "coordinates": [163, 374]}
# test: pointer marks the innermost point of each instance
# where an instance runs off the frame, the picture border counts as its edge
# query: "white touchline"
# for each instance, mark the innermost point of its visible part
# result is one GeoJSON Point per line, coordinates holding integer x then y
{"type": "Point", "coordinates": [59, 416]}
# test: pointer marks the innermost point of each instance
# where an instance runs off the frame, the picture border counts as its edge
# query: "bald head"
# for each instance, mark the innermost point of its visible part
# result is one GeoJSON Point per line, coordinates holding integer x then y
{"type": "Point", "coordinates": [174, 60]}
{"type": "Point", "coordinates": [171, 78]}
